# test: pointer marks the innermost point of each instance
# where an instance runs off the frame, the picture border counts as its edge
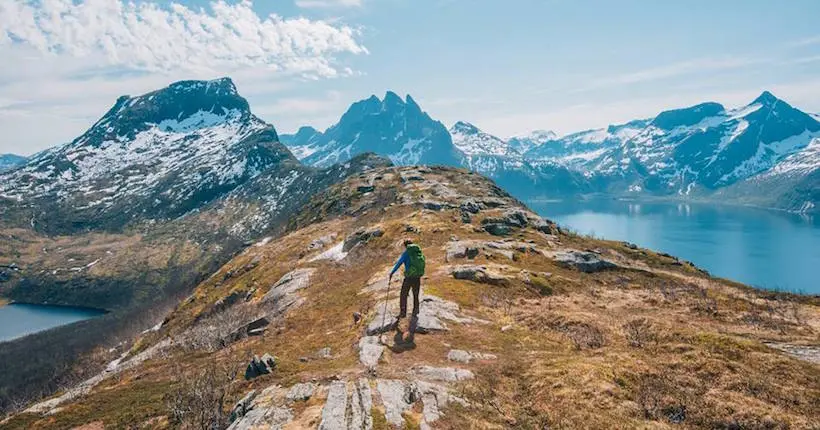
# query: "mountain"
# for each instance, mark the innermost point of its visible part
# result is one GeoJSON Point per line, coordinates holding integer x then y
{"type": "Point", "coordinates": [493, 157]}
{"type": "Point", "coordinates": [521, 326]}
{"type": "Point", "coordinates": [154, 156]}
{"type": "Point", "coordinates": [525, 142]}
{"type": "Point", "coordinates": [472, 141]}
{"type": "Point", "coordinates": [401, 131]}
{"type": "Point", "coordinates": [304, 143]}
{"type": "Point", "coordinates": [702, 150]}
{"type": "Point", "coordinates": [390, 127]}
{"type": "Point", "coordinates": [128, 217]}
{"type": "Point", "coordinates": [10, 161]}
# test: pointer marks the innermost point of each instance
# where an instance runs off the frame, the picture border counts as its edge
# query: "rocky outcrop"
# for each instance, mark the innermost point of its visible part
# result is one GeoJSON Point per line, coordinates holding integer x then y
{"type": "Point", "coordinates": [397, 397]}
{"type": "Point", "coordinates": [585, 261]}
{"type": "Point", "coordinates": [260, 366]}
{"type": "Point", "coordinates": [516, 219]}
{"type": "Point", "coordinates": [361, 236]}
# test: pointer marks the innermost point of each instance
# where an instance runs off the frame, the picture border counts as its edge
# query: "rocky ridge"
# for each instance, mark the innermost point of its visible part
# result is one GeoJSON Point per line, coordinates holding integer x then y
{"type": "Point", "coordinates": [527, 327]}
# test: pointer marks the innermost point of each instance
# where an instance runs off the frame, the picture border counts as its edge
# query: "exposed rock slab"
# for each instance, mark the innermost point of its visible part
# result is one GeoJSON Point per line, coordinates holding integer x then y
{"type": "Point", "coordinates": [397, 397]}
{"type": "Point", "coordinates": [445, 374]}
{"type": "Point", "coordinates": [462, 356]}
{"type": "Point", "coordinates": [361, 405]}
{"type": "Point", "coordinates": [370, 351]}
{"type": "Point", "coordinates": [810, 353]}
{"type": "Point", "coordinates": [282, 296]}
{"type": "Point", "coordinates": [334, 412]}
{"type": "Point", "coordinates": [302, 391]}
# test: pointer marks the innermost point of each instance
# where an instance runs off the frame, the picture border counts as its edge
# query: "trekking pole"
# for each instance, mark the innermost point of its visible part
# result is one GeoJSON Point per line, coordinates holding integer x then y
{"type": "Point", "coordinates": [384, 310]}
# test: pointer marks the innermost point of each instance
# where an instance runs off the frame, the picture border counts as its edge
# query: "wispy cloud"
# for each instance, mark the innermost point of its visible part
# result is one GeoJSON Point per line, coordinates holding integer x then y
{"type": "Point", "coordinates": [656, 73]}
{"type": "Point", "coordinates": [153, 37]}
{"type": "Point", "coordinates": [814, 40]}
{"type": "Point", "coordinates": [327, 4]}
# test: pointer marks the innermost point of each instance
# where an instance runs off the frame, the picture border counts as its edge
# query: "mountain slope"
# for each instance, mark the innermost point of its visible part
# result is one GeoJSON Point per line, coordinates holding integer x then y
{"type": "Point", "coordinates": [521, 326]}
{"type": "Point", "coordinates": [10, 161]}
{"type": "Point", "coordinates": [154, 156]}
{"type": "Point", "coordinates": [392, 127]}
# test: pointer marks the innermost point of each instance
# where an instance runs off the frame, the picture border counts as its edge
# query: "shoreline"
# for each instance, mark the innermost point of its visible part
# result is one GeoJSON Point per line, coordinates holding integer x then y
{"type": "Point", "coordinates": [667, 199]}
{"type": "Point", "coordinates": [100, 311]}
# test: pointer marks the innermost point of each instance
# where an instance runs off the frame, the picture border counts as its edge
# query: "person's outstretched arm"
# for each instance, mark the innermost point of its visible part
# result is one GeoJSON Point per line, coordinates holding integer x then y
{"type": "Point", "coordinates": [402, 260]}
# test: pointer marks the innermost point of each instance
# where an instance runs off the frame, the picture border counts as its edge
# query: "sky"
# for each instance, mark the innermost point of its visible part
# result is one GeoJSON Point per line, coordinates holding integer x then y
{"type": "Point", "coordinates": [509, 67]}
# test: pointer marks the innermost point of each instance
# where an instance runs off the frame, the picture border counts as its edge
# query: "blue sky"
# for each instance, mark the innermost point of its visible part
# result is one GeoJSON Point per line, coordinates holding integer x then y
{"type": "Point", "coordinates": [507, 66]}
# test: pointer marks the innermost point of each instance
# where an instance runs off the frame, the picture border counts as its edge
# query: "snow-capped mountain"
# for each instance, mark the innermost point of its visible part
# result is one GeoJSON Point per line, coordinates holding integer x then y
{"type": "Point", "coordinates": [472, 141]}
{"type": "Point", "coordinates": [525, 142]}
{"type": "Point", "coordinates": [160, 154]}
{"type": "Point", "coordinates": [10, 161]}
{"type": "Point", "coordinates": [391, 127]}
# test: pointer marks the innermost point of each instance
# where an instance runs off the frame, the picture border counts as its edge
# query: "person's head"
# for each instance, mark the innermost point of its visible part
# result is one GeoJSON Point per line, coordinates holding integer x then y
{"type": "Point", "coordinates": [408, 242]}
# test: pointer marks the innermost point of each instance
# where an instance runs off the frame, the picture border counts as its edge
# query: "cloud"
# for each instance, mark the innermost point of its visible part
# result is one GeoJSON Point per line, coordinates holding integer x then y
{"type": "Point", "coordinates": [814, 40]}
{"type": "Point", "coordinates": [72, 58]}
{"type": "Point", "coordinates": [689, 67]}
{"type": "Point", "coordinates": [151, 37]}
{"type": "Point", "coordinates": [327, 4]}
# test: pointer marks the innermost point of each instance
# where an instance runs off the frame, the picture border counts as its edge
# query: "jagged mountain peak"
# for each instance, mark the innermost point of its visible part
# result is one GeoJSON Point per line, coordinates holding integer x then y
{"type": "Point", "coordinates": [465, 127]}
{"type": "Point", "coordinates": [766, 98]}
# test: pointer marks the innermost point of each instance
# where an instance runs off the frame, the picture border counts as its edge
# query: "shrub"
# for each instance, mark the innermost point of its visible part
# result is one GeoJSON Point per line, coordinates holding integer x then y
{"type": "Point", "coordinates": [639, 332]}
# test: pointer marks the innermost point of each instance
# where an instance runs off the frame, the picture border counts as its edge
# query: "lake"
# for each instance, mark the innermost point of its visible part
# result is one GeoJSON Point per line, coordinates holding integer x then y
{"type": "Point", "coordinates": [19, 319]}
{"type": "Point", "coordinates": [761, 248]}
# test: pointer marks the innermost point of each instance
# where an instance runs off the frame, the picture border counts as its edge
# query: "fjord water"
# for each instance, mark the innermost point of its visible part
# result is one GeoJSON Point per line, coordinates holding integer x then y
{"type": "Point", "coordinates": [18, 319]}
{"type": "Point", "coordinates": [761, 248]}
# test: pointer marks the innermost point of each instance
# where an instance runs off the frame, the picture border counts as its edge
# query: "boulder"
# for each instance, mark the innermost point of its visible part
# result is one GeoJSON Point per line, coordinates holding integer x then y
{"type": "Point", "coordinates": [361, 235]}
{"type": "Point", "coordinates": [480, 274]}
{"type": "Point", "coordinates": [496, 229]}
{"type": "Point", "coordinates": [470, 207]}
{"type": "Point", "coordinates": [260, 366]}
{"type": "Point", "coordinates": [457, 250]}
{"type": "Point", "coordinates": [585, 261]}
{"type": "Point", "coordinates": [300, 392]}
{"type": "Point", "coordinates": [365, 188]}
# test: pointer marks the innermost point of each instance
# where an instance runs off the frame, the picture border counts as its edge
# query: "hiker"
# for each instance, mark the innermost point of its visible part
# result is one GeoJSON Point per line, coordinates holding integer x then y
{"type": "Point", "coordinates": [413, 260]}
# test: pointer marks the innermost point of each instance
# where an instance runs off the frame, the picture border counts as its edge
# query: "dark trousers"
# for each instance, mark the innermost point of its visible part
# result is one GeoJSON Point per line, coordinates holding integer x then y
{"type": "Point", "coordinates": [415, 285]}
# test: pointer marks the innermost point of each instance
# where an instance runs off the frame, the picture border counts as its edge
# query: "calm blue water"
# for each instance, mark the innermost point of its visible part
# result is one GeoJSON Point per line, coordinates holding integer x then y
{"type": "Point", "coordinates": [18, 320]}
{"type": "Point", "coordinates": [760, 248]}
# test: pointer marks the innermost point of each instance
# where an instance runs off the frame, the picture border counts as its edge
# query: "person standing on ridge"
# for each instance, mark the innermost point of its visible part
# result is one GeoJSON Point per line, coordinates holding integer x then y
{"type": "Point", "coordinates": [413, 260]}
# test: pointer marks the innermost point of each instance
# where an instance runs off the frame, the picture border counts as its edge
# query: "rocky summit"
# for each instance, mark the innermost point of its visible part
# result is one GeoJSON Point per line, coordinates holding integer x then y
{"type": "Point", "coordinates": [522, 325]}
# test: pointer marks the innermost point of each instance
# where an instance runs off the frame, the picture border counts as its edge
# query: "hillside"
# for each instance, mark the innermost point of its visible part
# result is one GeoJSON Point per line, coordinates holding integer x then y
{"type": "Point", "coordinates": [522, 326]}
